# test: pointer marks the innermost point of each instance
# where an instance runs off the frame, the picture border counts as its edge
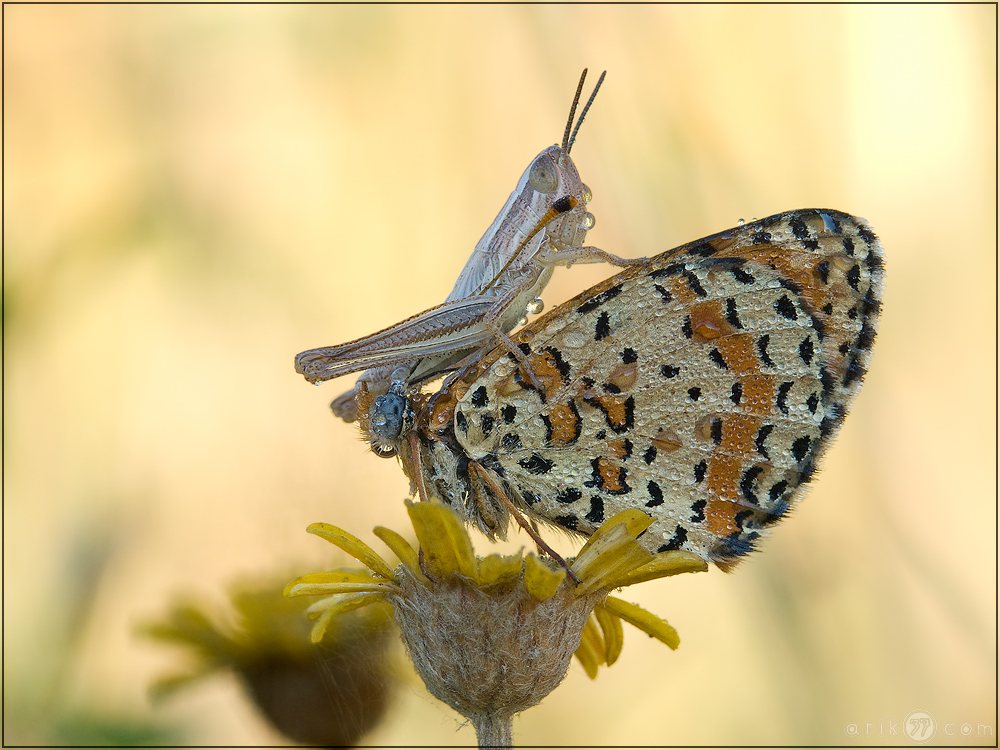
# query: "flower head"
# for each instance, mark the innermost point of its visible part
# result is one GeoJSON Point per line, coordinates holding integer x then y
{"type": "Point", "coordinates": [329, 692]}
{"type": "Point", "coordinates": [493, 636]}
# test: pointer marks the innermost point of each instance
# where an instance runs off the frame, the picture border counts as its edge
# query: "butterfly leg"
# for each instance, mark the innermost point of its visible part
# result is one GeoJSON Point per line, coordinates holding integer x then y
{"type": "Point", "coordinates": [521, 520]}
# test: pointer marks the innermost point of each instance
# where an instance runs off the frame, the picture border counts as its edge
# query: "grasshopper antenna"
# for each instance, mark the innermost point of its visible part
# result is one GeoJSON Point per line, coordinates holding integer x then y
{"type": "Point", "coordinates": [568, 143]}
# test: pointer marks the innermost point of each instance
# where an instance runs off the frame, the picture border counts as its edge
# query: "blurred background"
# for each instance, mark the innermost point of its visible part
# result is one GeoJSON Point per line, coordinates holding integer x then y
{"type": "Point", "coordinates": [194, 194]}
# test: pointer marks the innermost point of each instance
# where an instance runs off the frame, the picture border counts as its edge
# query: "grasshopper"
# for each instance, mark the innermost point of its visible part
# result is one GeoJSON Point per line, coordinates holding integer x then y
{"type": "Point", "coordinates": [543, 224]}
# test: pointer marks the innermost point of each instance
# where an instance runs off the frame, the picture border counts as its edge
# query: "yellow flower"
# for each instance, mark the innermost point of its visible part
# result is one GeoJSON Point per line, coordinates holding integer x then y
{"type": "Point", "coordinates": [493, 636]}
{"type": "Point", "coordinates": [328, 692]}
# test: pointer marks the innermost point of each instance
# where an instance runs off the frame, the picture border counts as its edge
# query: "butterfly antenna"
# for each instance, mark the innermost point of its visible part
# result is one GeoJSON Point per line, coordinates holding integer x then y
{"type": "Point", "coordinates": [586, 107]}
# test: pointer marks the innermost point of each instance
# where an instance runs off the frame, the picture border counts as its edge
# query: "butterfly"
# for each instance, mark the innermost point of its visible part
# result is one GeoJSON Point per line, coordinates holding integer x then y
{"type": "Point", "coordinates": [702, 386]}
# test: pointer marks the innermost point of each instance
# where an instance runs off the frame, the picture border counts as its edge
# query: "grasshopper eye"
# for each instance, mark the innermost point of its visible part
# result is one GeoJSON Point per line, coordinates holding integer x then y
{"type": "Point", "coordinates": [542, 175]}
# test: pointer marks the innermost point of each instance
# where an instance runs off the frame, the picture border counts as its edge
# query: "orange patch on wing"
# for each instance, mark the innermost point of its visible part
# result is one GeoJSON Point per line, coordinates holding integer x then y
{"type": "Point", "coordinates": [565, 424]}
{"type": "Point", "coordinates": [723, 476]}
{"type": "Point", "coordinates": [708, 322]}
{"type": "Point", "coordinates": [758, 393]}
{"type": "Point", "coordinates": [442, 413]}
{"type": "Point", "coordinates": [738, 434]}
{"type": "Point", "coordinates": [611, 476]}
{"type": "Point", "coordinates": [614, 406]}
{"type": "Point", "coordinates": [791, 267]}
{"type": "Point", "coordinates": [617, 449]}
{"type": "Point", "coordinates": [720, 517]}
{"type": "Point", "coordinates": [544, 368]}
{"type": "Point", "coordinates": [680, 290]}
{"type": "Point", "coordinates": [739, 352]}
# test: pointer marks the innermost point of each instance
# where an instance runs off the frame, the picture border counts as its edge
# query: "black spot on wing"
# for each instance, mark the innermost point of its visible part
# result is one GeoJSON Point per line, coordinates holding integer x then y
{"type": "Point", "coordinates": [748, 483]}
{"type": "Point", "coordinates": [479, 398]}
{"type": "Point", "coordinates": [782, 399]}
{"type": "Point", "coordinates": [853, 276]}
{"type": "Point", "coordinates": [655, 495]}
{"type": "Point", "coordinates": [800, 448]}
{"type": "Point", "coordinates": [762, 343]}
{"type": "Point", "coordinates": [561, 365]}
{"type": "Point", "coordinates": [596, 301]}
{"type": "Point", "coordinates": [568, 495]}
{"type": "Point", "coordinates": [694, 283]}
{"type": "Point", "coordinates": [567, 522]}
{"type": "Point", "coordinates": [823, 269]}
{"type": "Point", "coordinates": [789, 285]}
{"type": "Point", "coordinates": [855, 371]}
{"type": "Point", "coordinates": [686, 327]}
{"type": "Point", "coordinates": [698, 511]}
{"type": "Point", "coordinates": [675, 542]}
{"type": "Point", "coordinates": [716, 430]}
{"type": "Point", "coordinates": [777, 490]}
{"type": "Point", "coordinates": [812, 403]}
{"type": "Point", "coordinates": [867, 235]}
{"type": "Point", "coordinates": [762, 435]}
{"type": "Point", "coordinates": [596, 514]}
{"type": "Point", "coordinates": [806, 350]}
{"type": "Point", "coordinates": [535, 464]}
{"type": "Point", "coordinates": [867, 336]}
{"type": "Point", "coordinates": [786, 308]}
{"type": "Point", "coordinates": [510, 442]}
{"type": "Point", "coordinates": [731, 315]}
{"type": "Point", "coordinates": [603, 327]}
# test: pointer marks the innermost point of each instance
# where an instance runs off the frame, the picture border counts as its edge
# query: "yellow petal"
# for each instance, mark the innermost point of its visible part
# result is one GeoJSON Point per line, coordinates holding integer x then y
{"type": "Point", "coordinates": [402, 549]}
{"type": "Point", "coordinates": [634, 520]}
{"type": "Point", "coordinates": [494, 568]}
{"type": "Point", "coordinates": [314, 589]}
{"type": "Point", "coordinates": [333, 576]}
{"type": "Point", "coordinates": [344, 605]}
{"type": "Point", "coordinates": [352, 546]}
{"type": "Point", "coordinates": [591, 649]}
{"type": "Point", "coordinates": [645, 621]}
{"type": "Point", "coordinates": [665, 564]}
{"type": "Point", "coordinates": [614, 636]}
{"type": "Point", "coordinates": [540, 580]}
{"type": "Point", "coordinates": [444, 540]}
{"type": "Point", "coordinates": [604, 562]}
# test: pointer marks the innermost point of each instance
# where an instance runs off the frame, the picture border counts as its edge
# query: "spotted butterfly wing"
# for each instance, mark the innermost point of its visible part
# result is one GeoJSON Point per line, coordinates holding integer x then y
{"type": "Point", "coordinates": [702, 388]}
